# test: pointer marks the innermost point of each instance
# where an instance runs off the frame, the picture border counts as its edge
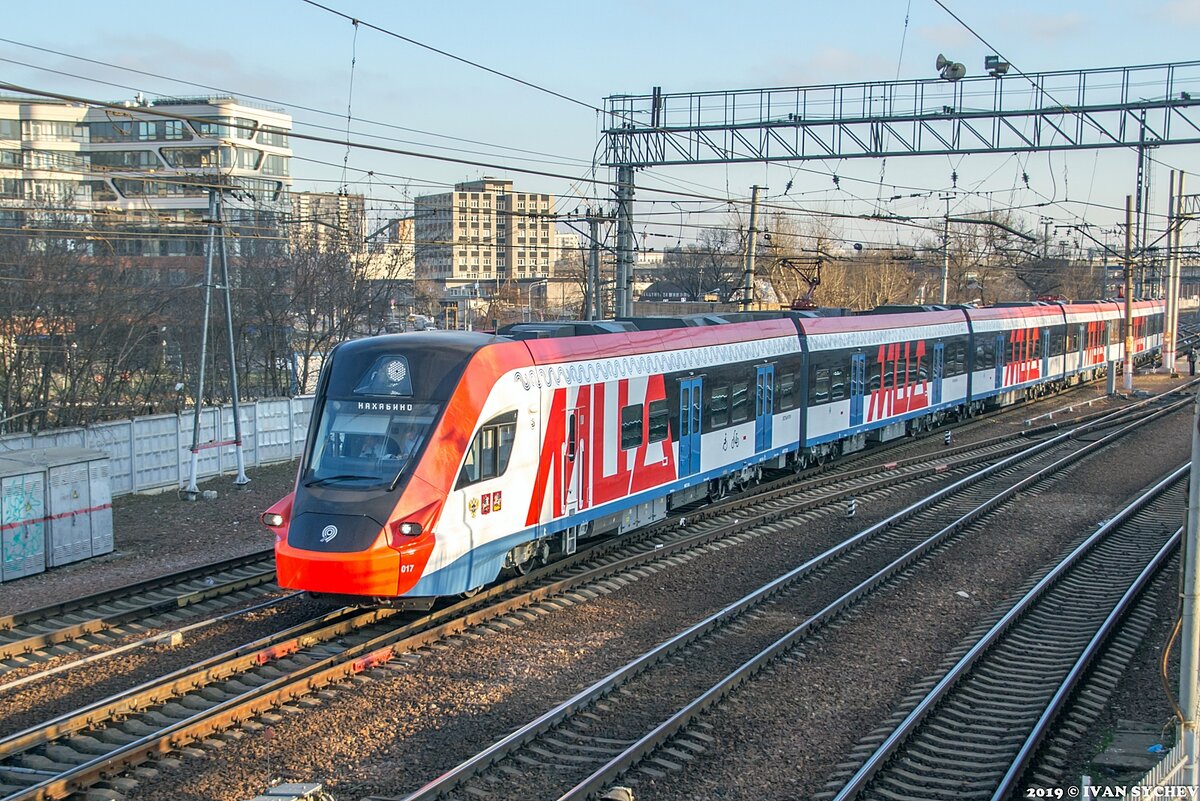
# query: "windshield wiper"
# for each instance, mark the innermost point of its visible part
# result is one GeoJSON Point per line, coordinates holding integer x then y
{"type": "Point", "coordinates": [328, 479]}
{"type": "Point", "coordinates": [399, 475]}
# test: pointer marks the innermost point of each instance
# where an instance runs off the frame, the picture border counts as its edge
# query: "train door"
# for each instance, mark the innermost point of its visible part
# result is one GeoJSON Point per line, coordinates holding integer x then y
{"type": "Point", "coordinates": [1082, 346]}
{"type": "Point", "coordinates": [691, 401]}
{"type": "Point", "coordinates": [939, 370]}
{"type": "Point", "coordinates": [1045, 352]}
{"type": "Point", "coordinates": [999, 360]}
{"type": "Point", "coordinates": [764, 407]}
{"type": "Point", "coordinates": [572, 465]}
{"type": "Point", "coordinates": [858, 387]}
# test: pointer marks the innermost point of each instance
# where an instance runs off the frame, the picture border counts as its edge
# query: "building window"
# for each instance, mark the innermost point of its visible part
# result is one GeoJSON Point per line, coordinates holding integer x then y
{"type": "Point", "coordinates": [178, 157]}
{"type": "Point", "coordinates": [275, 165]}
{"type": "Point", "coordinates": [55, 131]}
{"type": "Point", "coordinates": [275, 137]}
{"type": "Point", "coordinates": [132, 159]}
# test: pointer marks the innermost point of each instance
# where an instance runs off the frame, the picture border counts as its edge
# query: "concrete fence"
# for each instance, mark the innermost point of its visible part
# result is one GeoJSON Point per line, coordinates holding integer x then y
{"type": "Point", "coordinates": [154, 452]}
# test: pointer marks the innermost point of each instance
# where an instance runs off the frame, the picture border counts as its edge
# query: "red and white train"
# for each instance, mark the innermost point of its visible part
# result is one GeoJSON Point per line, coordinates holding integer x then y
{"type": "Point", "coordinates": [435, 460]}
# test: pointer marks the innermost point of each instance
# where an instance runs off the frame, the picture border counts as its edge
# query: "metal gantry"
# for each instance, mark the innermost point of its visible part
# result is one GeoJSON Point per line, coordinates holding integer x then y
{"type": "Point", "coordinates": [1134, 107]}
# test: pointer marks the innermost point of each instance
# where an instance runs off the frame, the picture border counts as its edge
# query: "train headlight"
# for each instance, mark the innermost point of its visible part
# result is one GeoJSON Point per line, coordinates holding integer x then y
{"type": "Point", "coordinates": [272, 519]}
{"type": "Point", "coordinates": [413, 527]}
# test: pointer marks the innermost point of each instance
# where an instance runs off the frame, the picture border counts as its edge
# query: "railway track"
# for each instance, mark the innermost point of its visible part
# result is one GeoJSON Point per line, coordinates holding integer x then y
{"type": "Point", "coordinates": [100, 620]}
{"type": "Point", "coordinates": [974, 734]}
{"type": "Point", "coordinates": [106, 624]}
{"type": "Point", "coordinates": [639, 714]}
{"type": "Point", "coordinates": [79, 750]}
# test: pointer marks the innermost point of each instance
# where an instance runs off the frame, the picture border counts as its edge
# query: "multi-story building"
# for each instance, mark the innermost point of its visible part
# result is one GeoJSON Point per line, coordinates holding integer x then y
{"type": "Point", "coordinates": [330, 220]}
{"type": "Point", "coordinates": [140, 181]}
{"type": "Point", "coordinates": [483, 236]}
{"type": "Point", "coordinates": [390, 249]}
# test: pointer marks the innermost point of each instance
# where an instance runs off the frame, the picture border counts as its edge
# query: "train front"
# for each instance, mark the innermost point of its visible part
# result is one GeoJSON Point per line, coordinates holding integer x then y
{"type": "Point", "coordinates": [360, 524]}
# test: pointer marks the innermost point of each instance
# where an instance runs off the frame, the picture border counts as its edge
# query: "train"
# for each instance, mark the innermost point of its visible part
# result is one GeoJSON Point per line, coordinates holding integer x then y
{"type": "Point", "coordinates": [437, 461]}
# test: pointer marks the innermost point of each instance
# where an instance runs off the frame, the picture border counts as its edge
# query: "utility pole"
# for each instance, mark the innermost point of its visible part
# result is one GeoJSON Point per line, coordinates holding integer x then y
{"type": "Point", "coordinates": [946, 252]}
{"type": "Point", "coordinates": [193, 490]}
{"type": "Point", "coordinates": [1141, 188]}
{"type": "Point", "coordinates": [751, 242]}
{"type": "Point", "coordinates": [623, 304]}
{"type": "Point", "coordinates": [1172, 290]}
{"type": "Point", "coordinates": [593, 299]}
{"type": "Point", "coordinates": [240, 480]}
{"type": "Point", "coordinates": [1189, 643]}
{"type": "Point", "coordinates": [1176, 245]}
{"type": "Point", "coordinates": [1128, 294]}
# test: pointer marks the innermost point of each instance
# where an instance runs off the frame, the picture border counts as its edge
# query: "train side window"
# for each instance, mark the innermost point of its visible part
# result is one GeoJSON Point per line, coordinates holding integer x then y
{"type": "Point", "coordinates": [658, 427]}
{"type": "Point", "coordinates": [631, 426]}
{"type": "Point", "coordinates": [784, 393]}
{"type": "Point", "coordinates": [837, 383]}
{"type": "Point", "coordinates": [821, 387]}
{"type": "Point", "coordinates": [960, 358]}
{"type": "Point", "coordinates": [490, 450]}
{"type": "Point", "coordinates": [984, 358]}
{"type": "Point", "coordinates": [874, 377]}
{"type": "Point", "coordinates": [741, 402]}
{"type": "Point", "coordinates": [718, 406]}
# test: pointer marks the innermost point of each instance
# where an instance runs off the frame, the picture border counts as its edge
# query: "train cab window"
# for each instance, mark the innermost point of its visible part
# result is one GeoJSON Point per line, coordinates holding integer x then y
{"type": "Point", "coordinates": [741, 402]}
{"type": "Point", "coordinates": [837, 383]}
{"type": "Point", "coordinates": [362, 445]}
{"type": "Point", "coordinates": [785, 391]}
{"type": "Point", "coordinates": [821, 387]}
{"type": "Point", "coordinates": [488, 455]}
{"type": "Point", "coordinates": [718, 406]}
{"type": "Point", "coordinates": [631, 426]}
{"type": "Point", "coordinates": [659, 416]}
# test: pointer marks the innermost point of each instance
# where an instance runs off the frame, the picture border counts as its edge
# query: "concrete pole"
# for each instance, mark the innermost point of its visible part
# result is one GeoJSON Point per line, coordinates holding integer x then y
{"type": "Point", "coordinates": [945, 258]}
{"type": "Point", "coordinates": [1176, 265]}
{"type": "Point", "coordinates": [1168, 324]}
{"type": "Point", "coordinates": [1128, 293]}
{"type": "Point", "coordinates": [751, 244]}
{"type": "Point", "coordinates": [595, 301]}
{"type": "Point", "coordinates": [240, 480]}
{"type": "Point", "coordinates": [1189, 645]}
{"type": "Point", "coordinates": [193, 491]}
{"type": "Point", "coordinates": [623, 303]}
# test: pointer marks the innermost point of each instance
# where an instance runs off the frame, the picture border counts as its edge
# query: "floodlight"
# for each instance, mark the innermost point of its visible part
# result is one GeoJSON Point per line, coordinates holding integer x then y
{"type": "Point", "coordinates": [950, 70]}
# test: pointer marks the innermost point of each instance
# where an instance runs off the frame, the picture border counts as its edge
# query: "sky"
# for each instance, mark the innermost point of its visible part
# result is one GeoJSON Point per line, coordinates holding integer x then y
{"type": "Point", "coordinates": [319, 67]}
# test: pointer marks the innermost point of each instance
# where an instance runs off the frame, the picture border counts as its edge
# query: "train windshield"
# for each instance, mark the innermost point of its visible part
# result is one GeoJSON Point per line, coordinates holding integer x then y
{"type": "Point", "coordinates": [368, 443]}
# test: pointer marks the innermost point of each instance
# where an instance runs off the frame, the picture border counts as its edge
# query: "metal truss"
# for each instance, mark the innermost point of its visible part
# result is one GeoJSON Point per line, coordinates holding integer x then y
{"type": "Point", "coordinates": [1083, 109]}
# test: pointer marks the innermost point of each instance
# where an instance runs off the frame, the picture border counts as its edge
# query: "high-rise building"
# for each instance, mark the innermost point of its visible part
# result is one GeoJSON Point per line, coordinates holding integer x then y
{"type": "Point", "coordinates": [484, 235]}
{"type": "Point", "coordinates": [330, 220]}
{"type": "Point", "coordinates": [139, 181]}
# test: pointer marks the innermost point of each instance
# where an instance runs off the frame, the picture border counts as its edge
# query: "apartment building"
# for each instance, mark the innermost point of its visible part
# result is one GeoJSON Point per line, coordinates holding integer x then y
{"type": "Point", "coordinates": [330, 220]}
{"type": "Point", "coordinates": [483, 235]}
{"type": "Point", "coordinates": [139, 181]}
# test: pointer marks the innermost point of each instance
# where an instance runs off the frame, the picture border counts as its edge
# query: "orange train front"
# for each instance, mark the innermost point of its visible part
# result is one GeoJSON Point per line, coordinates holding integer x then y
{"type": "Point", "coordinates": [435, 460]}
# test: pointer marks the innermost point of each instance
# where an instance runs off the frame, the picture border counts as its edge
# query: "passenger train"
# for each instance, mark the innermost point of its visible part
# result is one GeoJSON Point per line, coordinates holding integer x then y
{"type": "Point", "coordinates": [435, 460]}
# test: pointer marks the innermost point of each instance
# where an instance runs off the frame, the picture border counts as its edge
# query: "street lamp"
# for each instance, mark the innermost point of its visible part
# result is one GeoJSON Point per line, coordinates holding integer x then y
{"type": "Point", "coordinates": [529, 296]}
